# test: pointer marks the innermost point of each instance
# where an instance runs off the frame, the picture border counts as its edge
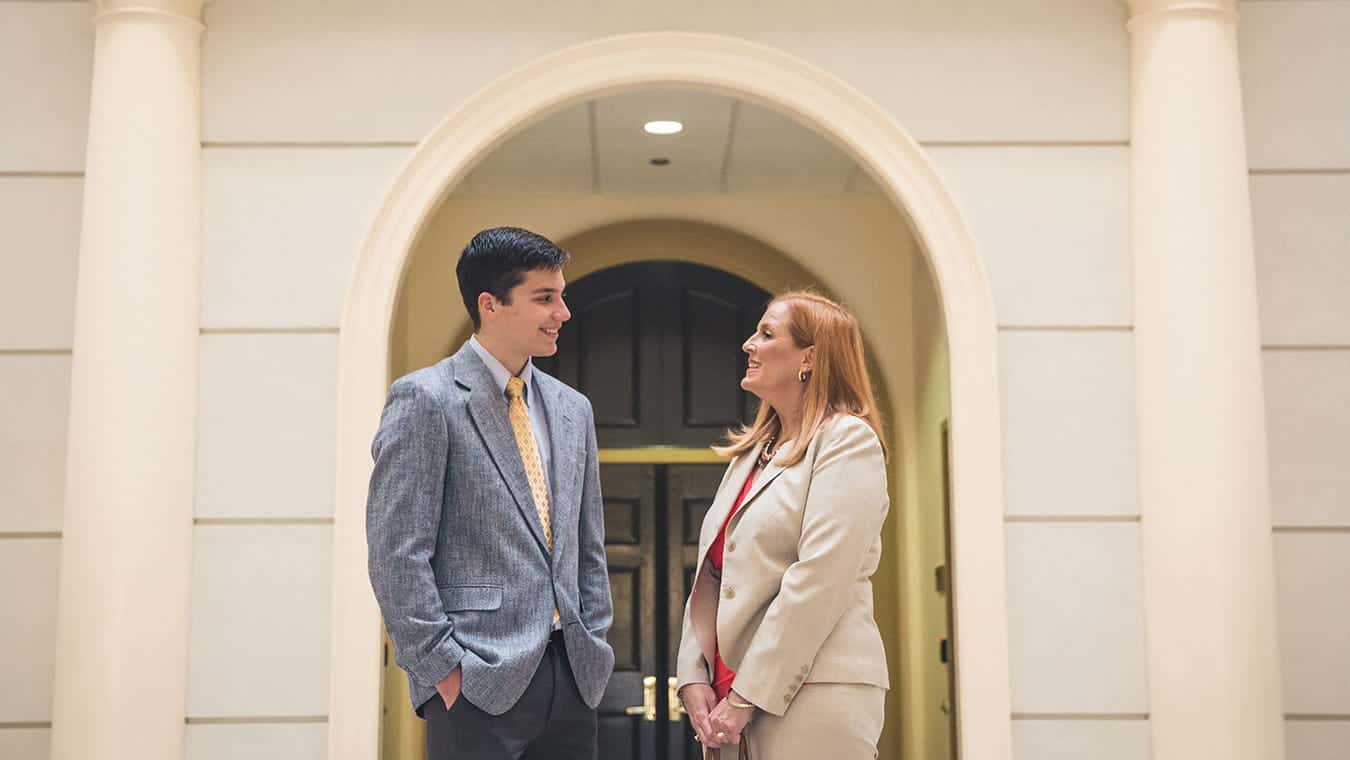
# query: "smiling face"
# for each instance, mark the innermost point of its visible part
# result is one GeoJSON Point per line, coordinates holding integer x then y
{"type": "Point", "coordinates": [528, 323]}
{"type": "Point", "coordinates": [775, 360]}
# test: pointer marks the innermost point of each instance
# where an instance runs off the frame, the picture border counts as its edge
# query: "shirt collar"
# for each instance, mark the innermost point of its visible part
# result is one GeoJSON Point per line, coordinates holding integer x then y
{"type": "Point", "coordinates": [500, 374]}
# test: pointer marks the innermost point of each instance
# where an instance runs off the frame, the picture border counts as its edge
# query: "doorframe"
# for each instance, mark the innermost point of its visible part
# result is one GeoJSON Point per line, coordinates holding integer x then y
{"type": "Point", "coordinates": [745, 70]}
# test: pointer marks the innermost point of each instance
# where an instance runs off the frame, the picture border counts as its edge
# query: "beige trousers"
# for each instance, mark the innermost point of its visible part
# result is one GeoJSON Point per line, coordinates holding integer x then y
{"type": "Point", "coordinates": [839, 721]}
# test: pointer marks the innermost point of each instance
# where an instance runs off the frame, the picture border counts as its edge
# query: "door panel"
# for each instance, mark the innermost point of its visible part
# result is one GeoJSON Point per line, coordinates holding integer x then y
{"type": "Point", "coordinates": [656, 347]}
{"type": "Point", "coordinates": [689, 493]}
{"type": "Point", "coordinates": [710, 323]}
{"type": "Point", "coordinates": [611, 351]}
{"type": "Point", "coordinates": [714, 312]}
{"type": "Point", "coordinates": [630, 541]}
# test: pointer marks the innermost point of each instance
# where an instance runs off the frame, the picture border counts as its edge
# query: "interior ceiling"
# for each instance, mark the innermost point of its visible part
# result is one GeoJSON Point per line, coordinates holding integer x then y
{"type": "Point", "coordinates": [727, 146]}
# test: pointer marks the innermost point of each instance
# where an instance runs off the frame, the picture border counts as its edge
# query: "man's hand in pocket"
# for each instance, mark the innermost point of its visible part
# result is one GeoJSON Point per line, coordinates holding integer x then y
{"type": "Point", "coordinates": [449, 687]}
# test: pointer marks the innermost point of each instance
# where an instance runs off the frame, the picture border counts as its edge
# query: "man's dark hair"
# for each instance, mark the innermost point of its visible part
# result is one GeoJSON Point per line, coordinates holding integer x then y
{"type": "Point", "coordinates": [496, 261]}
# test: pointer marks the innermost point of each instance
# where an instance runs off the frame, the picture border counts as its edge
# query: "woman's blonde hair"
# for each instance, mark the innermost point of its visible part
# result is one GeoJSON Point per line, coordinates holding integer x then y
{"type": "Point", "coordinates": [837, 384]}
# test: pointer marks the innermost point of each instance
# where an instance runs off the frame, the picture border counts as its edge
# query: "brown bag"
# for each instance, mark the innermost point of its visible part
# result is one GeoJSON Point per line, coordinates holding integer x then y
{"type": "Point", "coordinates": [716, 754]}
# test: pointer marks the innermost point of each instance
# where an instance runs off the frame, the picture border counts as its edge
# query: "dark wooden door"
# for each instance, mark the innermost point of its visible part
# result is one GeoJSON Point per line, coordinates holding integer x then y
{"type": "Point", "coordinates": [652, 519]}
{"type": "Point", "coordinates": [656, 347]}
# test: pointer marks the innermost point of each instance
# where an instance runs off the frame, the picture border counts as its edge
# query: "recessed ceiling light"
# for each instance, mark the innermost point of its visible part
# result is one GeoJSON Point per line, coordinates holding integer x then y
{"type": "Point", "coordinates": [663, 127]}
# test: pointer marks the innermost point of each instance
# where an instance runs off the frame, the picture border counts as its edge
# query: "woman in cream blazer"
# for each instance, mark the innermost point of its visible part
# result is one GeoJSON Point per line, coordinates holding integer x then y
{"type": "Point", "coordinates": [780, 646]}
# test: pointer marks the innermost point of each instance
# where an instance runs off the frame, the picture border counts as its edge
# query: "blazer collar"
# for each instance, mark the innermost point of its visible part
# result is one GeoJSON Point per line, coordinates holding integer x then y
{"type": "Point", "coordinates": [766, 476]}
{"type": "Point", "coordinates": [726, 498]}
{"type": "Point", "coordinates": [737, 470]}
{"type": "Point", "coordinates": [567, 444]}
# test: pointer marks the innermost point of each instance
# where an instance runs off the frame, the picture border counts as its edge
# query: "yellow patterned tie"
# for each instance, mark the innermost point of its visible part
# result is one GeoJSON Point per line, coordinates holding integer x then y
{"type": "Point", "coordinates": [529, 455]}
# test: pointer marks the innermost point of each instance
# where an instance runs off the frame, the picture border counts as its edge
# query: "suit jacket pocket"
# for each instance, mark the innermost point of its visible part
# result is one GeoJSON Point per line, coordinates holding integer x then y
{"type": "Point", "coordinates": [457, 598]}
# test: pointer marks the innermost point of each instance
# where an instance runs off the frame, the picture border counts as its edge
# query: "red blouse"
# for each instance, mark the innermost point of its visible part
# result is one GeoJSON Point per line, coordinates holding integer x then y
{"type": "Point", "coordinates": [722, 675]}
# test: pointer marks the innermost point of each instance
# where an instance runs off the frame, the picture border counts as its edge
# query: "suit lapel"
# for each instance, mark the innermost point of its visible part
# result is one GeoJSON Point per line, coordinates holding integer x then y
{"type": "Point", "coordinates": [487, 408]}
{"type": "Point", "coordinates": [717, 512]}
{"type": "Point", "coordinates": [703, 601]}
{"type": "Point", "coordinates": [703, 596]}
{"type": "Point", "coordinates": [771, 471]}
{"type": "Point", "coordinates": [563, 435]}
{"type": "Point", "coordinates": [762, 481]}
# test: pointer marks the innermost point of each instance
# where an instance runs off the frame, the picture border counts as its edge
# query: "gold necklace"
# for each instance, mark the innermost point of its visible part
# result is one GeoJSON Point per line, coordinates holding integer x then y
{"type": "Point", "coordinates": [766, 454]}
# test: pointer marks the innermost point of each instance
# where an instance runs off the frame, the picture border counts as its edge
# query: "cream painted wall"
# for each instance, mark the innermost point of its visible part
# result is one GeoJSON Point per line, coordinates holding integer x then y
{"type": "Point", "coordinates": [1052, 224]}
{"type": "Point", "coordinates": [309, 108]}
{"type": "Point", "coordinates": [1295, 61]}
{"type": "Point", "coordinates": [349, 71]}
{"type": "Point", "coordinates": [45, 54]}
{"type": "Point", "coordinates": [280, 230]}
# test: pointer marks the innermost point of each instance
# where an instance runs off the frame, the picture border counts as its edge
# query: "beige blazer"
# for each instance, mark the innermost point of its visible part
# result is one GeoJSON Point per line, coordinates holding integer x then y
{"type": "Point", "coordinates": [795, 602]}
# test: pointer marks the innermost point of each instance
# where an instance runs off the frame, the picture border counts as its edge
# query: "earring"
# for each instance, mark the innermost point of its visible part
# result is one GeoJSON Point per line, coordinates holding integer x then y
{"type": "Point", "coordinates": [803, 376]}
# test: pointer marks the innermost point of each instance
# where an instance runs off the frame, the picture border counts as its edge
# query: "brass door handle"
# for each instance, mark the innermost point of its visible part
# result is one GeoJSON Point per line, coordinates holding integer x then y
{"type": "Point", "coordinates": [676, 707]}
{"type": "Point", "coordinates": [648, 707]}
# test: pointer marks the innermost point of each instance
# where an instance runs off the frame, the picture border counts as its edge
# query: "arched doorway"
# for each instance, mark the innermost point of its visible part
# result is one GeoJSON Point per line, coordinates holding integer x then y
{"type": "Point", "coordinates": [814, 98]}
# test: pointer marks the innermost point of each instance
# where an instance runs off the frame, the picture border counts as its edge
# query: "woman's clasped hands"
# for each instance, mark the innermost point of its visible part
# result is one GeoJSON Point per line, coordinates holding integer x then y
{"type": "Point", "coordinates": [716, 724]}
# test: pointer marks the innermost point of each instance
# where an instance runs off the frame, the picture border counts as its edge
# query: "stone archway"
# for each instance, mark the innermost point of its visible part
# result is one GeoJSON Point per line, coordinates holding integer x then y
{"type": "Point", "coordinates": [808, 94]}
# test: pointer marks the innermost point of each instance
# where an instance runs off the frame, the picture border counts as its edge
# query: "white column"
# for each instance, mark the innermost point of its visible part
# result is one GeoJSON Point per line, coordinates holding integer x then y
{"type": "Point", "coordinates": [122, 632]}
{"type": "Point", "coordinates": [1214, 680]}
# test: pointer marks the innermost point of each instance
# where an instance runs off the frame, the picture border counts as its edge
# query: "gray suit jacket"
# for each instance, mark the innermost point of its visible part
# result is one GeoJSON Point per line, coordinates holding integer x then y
{"type": "Point", "coordinates": [456, 552]}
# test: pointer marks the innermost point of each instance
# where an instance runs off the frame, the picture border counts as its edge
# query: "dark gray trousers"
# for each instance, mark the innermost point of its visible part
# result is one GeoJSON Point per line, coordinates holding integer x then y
{"type": "Point", "coordinates": [549, 722]}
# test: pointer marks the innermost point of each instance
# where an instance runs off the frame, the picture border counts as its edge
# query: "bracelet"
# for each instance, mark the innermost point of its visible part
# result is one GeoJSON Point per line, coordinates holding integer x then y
{"type": "Point", "coordinates": [742, 705]}
{"type": "Point", "coordinates": [679, 693]}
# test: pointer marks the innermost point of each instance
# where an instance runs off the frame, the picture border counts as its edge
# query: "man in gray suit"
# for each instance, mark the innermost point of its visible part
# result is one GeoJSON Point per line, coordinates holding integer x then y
{"type": "Point", "coordinates": [485, 525]}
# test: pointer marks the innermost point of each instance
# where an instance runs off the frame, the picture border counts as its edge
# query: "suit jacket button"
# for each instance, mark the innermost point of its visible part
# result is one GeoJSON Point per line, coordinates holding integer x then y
{"type": "Point", "coordinates": [729, 592]}
{"type": "Point", "coordinates": [731, 546]}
